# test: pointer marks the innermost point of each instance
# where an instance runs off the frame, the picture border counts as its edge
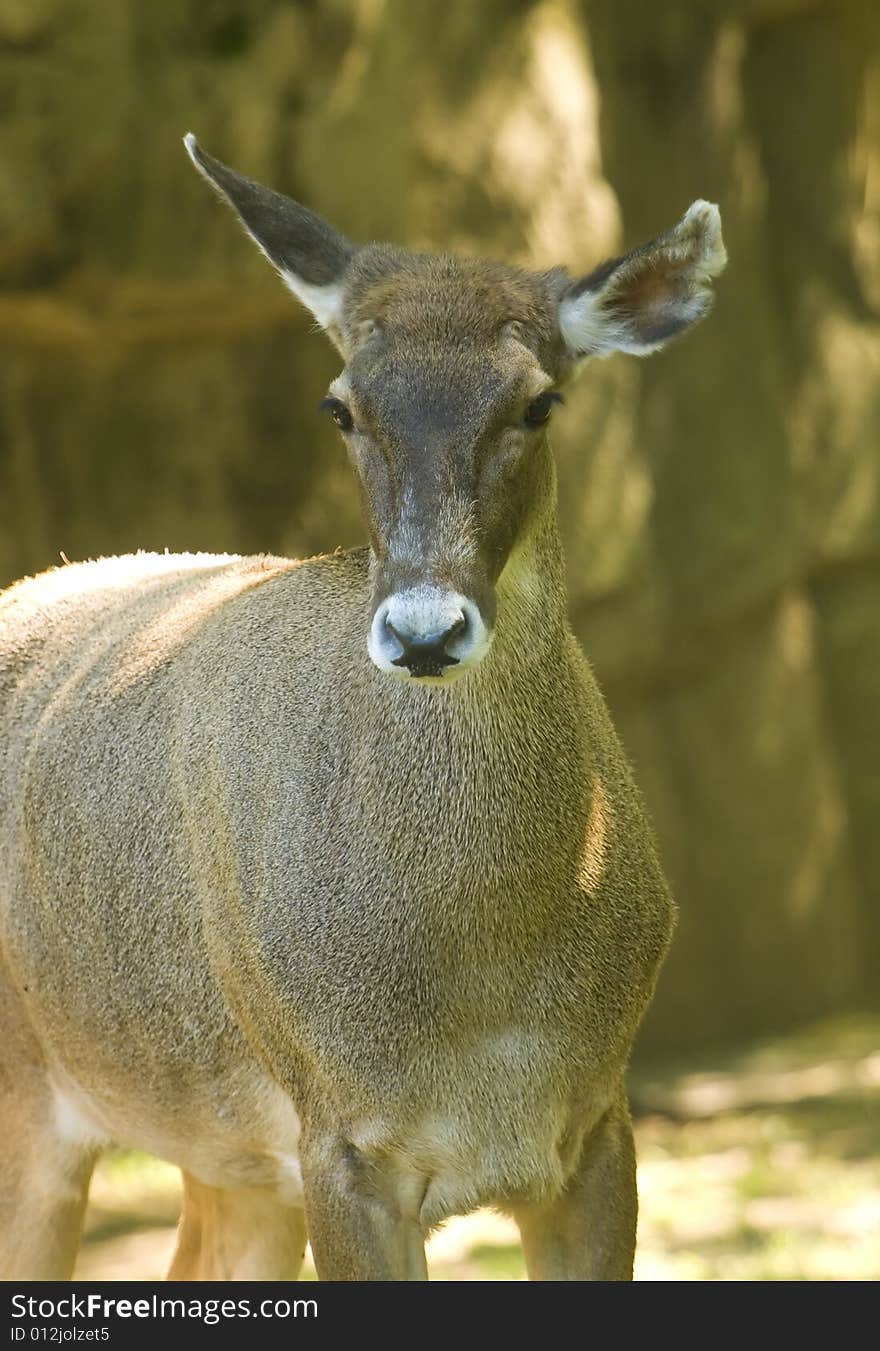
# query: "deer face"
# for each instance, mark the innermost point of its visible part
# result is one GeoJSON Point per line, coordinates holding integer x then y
{"type": "Point", "coordinates": [452, 371]}
{"type": "Point", "coordinates": [443, 404]}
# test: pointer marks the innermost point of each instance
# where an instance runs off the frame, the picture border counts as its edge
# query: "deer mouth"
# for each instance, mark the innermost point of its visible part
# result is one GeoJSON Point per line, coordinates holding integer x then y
{"type": "Point", "coordinates": [428, 666]}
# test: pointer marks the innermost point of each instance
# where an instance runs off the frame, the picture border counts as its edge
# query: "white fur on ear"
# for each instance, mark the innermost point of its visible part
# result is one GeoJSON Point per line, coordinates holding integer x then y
{"type": "Point", "coordinates": [701, 226]}
{"type": "Point", "coordinates": [587, 329]}
{"type": "Point", "coordinates": [642, 300]}
{"type": "Point", "coordinates": [192, 146]}
{"type": "Point", "coordinates": [325, 302]}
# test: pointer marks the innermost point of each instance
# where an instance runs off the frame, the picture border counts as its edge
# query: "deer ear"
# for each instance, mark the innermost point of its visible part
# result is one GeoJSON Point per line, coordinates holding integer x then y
{"type": "Point", "coordinates": [310, 256]}
{"type": "Point", "coordinates": [638, 302]}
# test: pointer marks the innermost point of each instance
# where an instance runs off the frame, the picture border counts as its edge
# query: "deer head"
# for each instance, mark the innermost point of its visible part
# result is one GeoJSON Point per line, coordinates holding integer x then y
{"type": "Point", "coordinates": [453, 367]}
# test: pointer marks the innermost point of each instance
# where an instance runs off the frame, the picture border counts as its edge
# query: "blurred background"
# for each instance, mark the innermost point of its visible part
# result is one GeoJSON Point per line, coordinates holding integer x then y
{"type": "Point", "coordinates": [720, 501]}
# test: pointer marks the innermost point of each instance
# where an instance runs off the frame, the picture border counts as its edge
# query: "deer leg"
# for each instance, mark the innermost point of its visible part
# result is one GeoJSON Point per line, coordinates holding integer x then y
{"type": "Point", "coordinates": [237, 1234]}
{"type": "Point", "coordinates": [588, 1233]}
{"type": "Point", "coordinates": [358, 1228]}
{"type": "Point", "coordinates": [44, 1169]}
{"type": "Point", "coordinates": [44, 1187]}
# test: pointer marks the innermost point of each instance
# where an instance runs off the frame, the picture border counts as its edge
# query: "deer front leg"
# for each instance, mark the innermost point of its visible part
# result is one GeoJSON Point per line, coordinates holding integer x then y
{"type": "Point", "coordinates": [45, 1168]}
{"type": "Point", "coordinates": [361, 1229]}
{"type": "Point", "coordinates": [588, 1233]}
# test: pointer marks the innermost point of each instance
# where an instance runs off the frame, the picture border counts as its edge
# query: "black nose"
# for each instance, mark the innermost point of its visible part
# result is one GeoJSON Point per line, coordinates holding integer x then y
{"type": "Point", "coordinates": [425, 654]}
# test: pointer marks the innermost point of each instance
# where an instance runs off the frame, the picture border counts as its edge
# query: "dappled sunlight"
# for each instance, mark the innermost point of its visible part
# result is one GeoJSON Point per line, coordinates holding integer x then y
{"type": "Point", "coordinates": [832, 417]}
{"type": "Point", "coordinates": [111, 574]}
{"type": "Point", "coordinates": [763, 1195]}
{"type": "Point", "coordinates": [177, 622]}
{"type": "Point", "coordinates": [606, 521]}
{"type": "Point", "coordinates": [551, 135]}
{"type": "Point", "coordinates": [592, 862]}
{"type": "Point", "coordinates": [530, 131]}
{"type": "Point", "coordinates": [701, 1095]}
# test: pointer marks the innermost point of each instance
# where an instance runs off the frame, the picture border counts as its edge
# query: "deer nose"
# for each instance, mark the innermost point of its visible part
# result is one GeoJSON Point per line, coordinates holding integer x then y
{"type": "Point", "coordinates": [426, 653]}
{"type": "Point", "coordinates": [427, 631]}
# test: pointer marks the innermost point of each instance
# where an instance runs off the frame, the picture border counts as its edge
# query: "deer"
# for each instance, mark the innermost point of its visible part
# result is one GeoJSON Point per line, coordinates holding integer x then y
{"type": "Point", "coordinates": [328, 880]}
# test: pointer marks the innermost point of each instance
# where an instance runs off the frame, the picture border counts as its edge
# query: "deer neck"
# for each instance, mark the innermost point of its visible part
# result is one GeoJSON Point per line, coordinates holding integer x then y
{"type": "Point", "coordinates": [531, 622]}
{"type": "Point", "coordinates": [530, 649]}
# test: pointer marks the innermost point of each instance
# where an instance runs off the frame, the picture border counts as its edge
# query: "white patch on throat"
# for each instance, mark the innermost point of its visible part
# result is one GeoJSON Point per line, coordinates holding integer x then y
{"type": "Point", "coordinates": [75, 1119]}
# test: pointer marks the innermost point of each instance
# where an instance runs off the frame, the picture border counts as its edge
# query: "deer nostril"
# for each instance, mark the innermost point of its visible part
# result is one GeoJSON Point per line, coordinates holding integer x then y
{"type": "Point", "coordinates": [420, 650]}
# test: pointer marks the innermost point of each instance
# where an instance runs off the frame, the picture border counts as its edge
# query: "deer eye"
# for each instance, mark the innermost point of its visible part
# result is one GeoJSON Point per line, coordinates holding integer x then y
{"type": "Point", "coordinates": [339, 413]}
{"type": "Point", "coordinates": [539, 410]}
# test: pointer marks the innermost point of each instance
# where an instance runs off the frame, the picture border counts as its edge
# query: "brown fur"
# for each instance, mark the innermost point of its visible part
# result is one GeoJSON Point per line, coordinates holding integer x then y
{"type": "Point", "coordinates": [261, 902]}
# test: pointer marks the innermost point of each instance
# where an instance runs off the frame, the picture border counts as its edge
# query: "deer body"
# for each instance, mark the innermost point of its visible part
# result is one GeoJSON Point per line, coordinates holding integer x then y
{"type": "Point", "coordinates": [356, 943]}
